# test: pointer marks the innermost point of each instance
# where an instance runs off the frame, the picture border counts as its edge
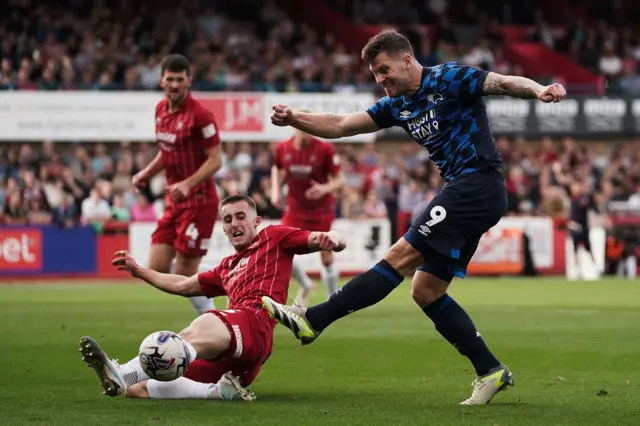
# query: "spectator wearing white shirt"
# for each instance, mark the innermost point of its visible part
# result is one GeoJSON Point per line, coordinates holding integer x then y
{"type": "Point", "coordinates": [610, 63]}
{"type": "Point", "coordinates": [95, 209]}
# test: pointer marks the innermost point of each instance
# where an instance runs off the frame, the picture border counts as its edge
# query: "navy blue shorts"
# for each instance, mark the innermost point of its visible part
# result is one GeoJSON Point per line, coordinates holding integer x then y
{"type": "Point", "coordinates": [447, 232]}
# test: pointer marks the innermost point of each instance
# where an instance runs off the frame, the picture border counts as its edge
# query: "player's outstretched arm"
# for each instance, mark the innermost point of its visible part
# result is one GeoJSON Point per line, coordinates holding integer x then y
{"type": "Point", "coordinates": [327, 241]}
{"type": "Point", "coordinates": [522, 87]}
{"type": "Point", "coordinates": [324, 125]}
{"type": "Point", "coordinates": [169, 283]}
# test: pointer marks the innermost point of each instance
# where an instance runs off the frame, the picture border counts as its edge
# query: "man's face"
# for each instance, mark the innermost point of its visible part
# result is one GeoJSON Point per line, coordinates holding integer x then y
{"type": "Point", "coordinates": [392, 72]}
{"type": "Point", "coordinates": [239, 223]}
{"type": "Point", "coordinates": [175, 85]}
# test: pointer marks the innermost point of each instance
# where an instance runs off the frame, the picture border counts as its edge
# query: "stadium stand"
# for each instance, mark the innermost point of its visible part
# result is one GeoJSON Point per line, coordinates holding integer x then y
{"type": "Point", "coordinates": [266, 47]}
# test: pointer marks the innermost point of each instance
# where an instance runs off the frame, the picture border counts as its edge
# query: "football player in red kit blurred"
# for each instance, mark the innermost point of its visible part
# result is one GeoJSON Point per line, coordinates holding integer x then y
{"type": "Point", "coordinates": [189, 153]}
{"type": "Point", "coordinates": [311, 170]}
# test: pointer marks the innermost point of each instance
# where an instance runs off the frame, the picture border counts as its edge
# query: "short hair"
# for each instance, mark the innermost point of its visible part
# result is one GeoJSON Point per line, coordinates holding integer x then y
{"type": "Point", "coordinates": [232, 199]}
{"type": "Point", "coordinates": [175, 63]}
{"type": "Point", "coordinates": [390, 41]}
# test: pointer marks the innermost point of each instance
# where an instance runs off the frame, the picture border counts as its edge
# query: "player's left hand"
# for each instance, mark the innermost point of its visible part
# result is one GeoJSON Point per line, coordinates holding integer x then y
{"type": "Point", "coordinates": [179, 191]}
{"type": "Point", "coordinates": [553, 93]}
{"type": "Point", "coordinates": [123, 261]}
{"type": "Point", "coordinates": [317, 191]}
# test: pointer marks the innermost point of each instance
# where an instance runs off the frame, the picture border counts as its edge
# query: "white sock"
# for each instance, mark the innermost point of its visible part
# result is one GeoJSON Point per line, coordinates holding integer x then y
{"type": "Point", "coordinates": [330, 277]}
{"type": "Point", "coordinates": [201, 304]}
{"type": "Point", "coordinates": [632, 267]}
{"type": "Point", "coordinates": [180, 388]}
{"type": "Point", "coordinates": [183, 388]}
{"type": "Point", "coordinates": [298, 272]}
{"type": "Point", "coordinates": [133, 373]}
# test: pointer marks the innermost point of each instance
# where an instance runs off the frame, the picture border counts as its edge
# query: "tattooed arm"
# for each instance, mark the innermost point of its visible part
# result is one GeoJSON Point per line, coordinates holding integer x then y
{"type": "Point", "coordinates": [517, 87]}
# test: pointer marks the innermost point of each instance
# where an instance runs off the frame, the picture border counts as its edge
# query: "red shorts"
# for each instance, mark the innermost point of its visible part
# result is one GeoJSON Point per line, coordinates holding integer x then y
{"type": "Point", "coordinates": [313, 224]}
{"type": "Point", "coordinates": [251, 344]}
{"type": "Point", "coordinates": [187, 230]}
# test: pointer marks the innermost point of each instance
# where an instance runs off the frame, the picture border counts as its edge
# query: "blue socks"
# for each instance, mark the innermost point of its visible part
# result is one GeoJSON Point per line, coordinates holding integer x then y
{"type": "Point", "coordinates": [455, 325]}
{"type": "Point", "coordinates": [361, 292]}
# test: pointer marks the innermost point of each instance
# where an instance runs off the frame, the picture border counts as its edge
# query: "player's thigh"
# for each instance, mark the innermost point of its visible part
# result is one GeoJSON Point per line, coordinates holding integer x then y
{"type": "Point", "coordinates": [450, 225]}
{"type": "Point", "coordinates": [193, 230]}
{"type": "Point", "coordinates": [445, 268]}
{"type": "Point", "coordinates": [187, 265]}
{"type": "Point", "coordinates": [160, 257]}
{"type": "Point", "coordinates": [250, 342]}
{"type": "Point", "coordinates": [209, 371]}
{"type": "Point", "coordinates": [162, 242]}
{"type": "Point", "coordinates": [209, 335]}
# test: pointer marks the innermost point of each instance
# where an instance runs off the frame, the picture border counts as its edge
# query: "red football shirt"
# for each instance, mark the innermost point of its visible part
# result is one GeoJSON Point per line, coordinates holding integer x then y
{"type": "Point", "coordinates": [315, 162]}
{"type": "Point", "coordinates": [262, 269]}
{"type": "Point", "coordinates": [182, 137]}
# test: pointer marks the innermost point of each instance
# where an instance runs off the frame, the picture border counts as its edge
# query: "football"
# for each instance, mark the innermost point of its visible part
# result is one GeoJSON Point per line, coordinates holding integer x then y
{"type": "Point", "coordinates": [164, 356]}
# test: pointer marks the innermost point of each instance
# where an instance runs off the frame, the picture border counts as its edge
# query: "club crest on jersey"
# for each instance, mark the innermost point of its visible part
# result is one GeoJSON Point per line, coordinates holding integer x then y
{"type": "Point", "coordinates": [179, 126]}
{"type": "Point", "coordinates": [240, 266]}
{"type": "Point", "coordinates": [405, 114]}
{"type": "Point", "coordinates": [435, 98]}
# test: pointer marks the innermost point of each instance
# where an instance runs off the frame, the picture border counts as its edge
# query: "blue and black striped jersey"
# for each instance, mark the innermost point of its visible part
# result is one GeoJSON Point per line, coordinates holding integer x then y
{"type": "Point", "coordinates": [448, 117]}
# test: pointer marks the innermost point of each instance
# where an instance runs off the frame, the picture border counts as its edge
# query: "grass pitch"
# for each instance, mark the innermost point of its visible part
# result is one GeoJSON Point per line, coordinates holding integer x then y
{"type": "Point", "coordinates": [574, 349]}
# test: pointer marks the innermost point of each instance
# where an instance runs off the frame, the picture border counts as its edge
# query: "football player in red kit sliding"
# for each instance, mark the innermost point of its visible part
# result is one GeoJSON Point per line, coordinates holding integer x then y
{"type": "Point", "coordinates": [227, 347]}
{"type": "Point", "coordinates": [311, 170]}
{"type": "Point", "coordinates": [189, 153]}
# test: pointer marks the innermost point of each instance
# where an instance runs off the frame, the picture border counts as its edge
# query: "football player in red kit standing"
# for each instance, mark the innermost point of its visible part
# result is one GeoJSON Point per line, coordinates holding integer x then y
{"type": "Point", "coordinates": [189, 153]}
{"type": "Point", "coordinates": [311, 169]}
{"type": "Point", "coordinates": [228, 347]}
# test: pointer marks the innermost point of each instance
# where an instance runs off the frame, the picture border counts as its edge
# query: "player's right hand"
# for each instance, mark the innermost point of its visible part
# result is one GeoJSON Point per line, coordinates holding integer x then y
{"type": "Point", "coordinates": [123, 261]}
{"type": "Point", "coordinates": [139, 180]}
{"type": "Point", "coordinates": [282, 115]}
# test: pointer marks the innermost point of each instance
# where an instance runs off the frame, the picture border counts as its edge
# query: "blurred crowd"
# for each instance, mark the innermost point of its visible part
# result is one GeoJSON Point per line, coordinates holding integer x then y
{"type": "Point", "coordinates": [254, 45]}
{"type": "Point", "coordinates": [247, 45]}
{"type": "Point", "coordinates": [68, 184]}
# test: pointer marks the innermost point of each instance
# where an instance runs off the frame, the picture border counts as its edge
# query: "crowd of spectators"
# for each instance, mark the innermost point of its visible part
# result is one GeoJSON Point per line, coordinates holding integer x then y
{"type": "Point", "coordinates": [253, 45]}
{"type": "Point", "coordinates": [68, 184]}
{"type": "Point", "coordinates": [89, 46]}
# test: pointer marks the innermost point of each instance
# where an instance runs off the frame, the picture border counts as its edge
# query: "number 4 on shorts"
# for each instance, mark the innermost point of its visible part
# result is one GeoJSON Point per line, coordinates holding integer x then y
{"type": "Point", "coordinates": [191, 231]}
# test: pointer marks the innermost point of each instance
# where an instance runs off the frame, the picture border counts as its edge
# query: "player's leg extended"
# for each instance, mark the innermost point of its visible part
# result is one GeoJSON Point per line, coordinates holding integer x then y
{"type": "Point", "coordinates": [364, 290]}
{"type": "Point", "coordinates": [306, 284]}
{"type": "Point", "coordinates": [162, 251]}
{"type": "Point", "coordinates": [114, 381]}
{"type": "Point", "coordinates": [428, 289]}
{"type": "Point", "coordinates": [228, 388]}
{"type": "Point", "coordinates": [194, 230]}
{"type": "Point", "coordinates": [330, 273]}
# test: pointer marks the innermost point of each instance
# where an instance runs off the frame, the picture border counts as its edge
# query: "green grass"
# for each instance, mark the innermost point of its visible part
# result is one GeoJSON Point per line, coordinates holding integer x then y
{"type": "Point", "coordinates": [574, 349]}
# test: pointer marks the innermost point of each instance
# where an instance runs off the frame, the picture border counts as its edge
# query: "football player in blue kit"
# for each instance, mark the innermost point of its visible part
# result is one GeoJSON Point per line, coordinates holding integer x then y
{"type": "Point", "coordinates": [442, 109]}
